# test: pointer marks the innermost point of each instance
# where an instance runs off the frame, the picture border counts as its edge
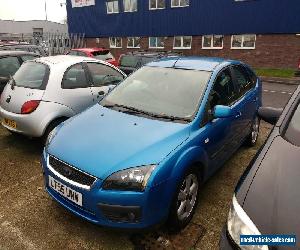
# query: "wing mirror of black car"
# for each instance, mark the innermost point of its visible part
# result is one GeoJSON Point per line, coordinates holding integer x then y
{"type": "Point", "coordinates": [269, 114]}
{"type": "Point", "coordinates": [222, 111]}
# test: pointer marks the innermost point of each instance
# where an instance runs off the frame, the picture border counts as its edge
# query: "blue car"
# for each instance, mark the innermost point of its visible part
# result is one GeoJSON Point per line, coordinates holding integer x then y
{"type": "Point", "coordinates": [138, 158]}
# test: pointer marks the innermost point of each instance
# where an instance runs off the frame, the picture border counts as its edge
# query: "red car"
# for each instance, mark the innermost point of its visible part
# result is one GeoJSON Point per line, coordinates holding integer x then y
{"type": "Point", "coordinates": [98, 53]}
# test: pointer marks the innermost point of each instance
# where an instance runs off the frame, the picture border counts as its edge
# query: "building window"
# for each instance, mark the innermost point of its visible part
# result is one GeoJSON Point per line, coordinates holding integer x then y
{"type": "Point", "coordinates": [212, 42]}
{"type": "Point", "coordinates": [180, 3]}
{"type": "Point", "coordinates": [115, 42]}
{"type": "Point", "coordinates": [243, 41]}
{"type": "Point", "coordinates": [157, 4]}
{"type": "Point", "coordinates": [182, 42]}
{"type": "Point", "coordinates": [112, 6]}
{"type": "Point", "coordinates": [130, 5]}
{"type": "Point", "coordinates": [156, 42]}
{"type": "Point", "coordinates": [133, 42]}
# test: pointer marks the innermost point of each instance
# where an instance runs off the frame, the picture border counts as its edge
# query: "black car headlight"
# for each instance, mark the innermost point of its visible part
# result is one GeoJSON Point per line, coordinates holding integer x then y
{"type": "Point", "coordinates": [131, 179]}
{"type": "Point", "coordinates": [239, 223]}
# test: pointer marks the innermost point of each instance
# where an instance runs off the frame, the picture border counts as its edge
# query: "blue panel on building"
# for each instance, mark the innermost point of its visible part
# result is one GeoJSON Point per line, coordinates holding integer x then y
{"type": "Point", "coordinates": [201, 17]}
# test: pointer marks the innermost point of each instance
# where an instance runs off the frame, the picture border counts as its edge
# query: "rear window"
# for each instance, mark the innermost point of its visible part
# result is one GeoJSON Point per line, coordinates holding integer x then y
{"type": "Point", "coordinates": [292, 133]}
{"type": "Point", "coordinates": [32, 75]}
{"type": "Point", "coordinates": [129, 61]}
{"type": "Point", "coordinates": [103, 55]}
{"type": "Point", "coordinates": [72, 53]}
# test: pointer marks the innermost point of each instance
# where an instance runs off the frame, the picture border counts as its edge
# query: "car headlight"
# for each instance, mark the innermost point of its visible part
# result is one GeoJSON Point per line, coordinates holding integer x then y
{"type": "Point", "coordinates": [239, 223]}
{"type": "Point", "coordinates": [132, 179]}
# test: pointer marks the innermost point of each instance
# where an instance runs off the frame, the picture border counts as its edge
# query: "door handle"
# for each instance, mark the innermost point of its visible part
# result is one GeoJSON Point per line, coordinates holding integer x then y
{"type": "Point", "coordinates": [239, 114]}
{"type": "Point", "coordinates": [101, 92]}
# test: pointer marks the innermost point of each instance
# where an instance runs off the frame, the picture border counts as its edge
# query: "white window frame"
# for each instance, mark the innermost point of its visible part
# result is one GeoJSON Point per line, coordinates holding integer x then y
{"type": "Point", "coordinates": [156, 8]}
{"type": "Point", "coordinates": [243, 38]}
{"type": "Point", "coordinates": [212, 42]}
{"type": "Point", "coordinates": [182, 43]}
{"type": "Point", "coordinates": [128, 11]}
{"type": "Point", "coordinates": [179, 6]}
{"type": "Point", "coordinates": [151, 47]}
{"type": "Point", "coordinates": [114, 45]}
{"type": "Point", "coordinates": [113, 12]}
{"type": "Point", "coordinates": [133, 47]}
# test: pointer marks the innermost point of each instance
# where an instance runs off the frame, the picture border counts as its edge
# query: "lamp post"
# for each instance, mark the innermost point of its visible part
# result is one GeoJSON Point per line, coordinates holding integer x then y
{"type": "Point", "coordinates": [46, 10]}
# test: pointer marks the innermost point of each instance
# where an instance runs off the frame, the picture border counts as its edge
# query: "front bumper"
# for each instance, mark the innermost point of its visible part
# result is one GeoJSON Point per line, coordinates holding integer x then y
{"type": "Point", "coordinates": [118, 209]}
{"type": "Point", "coordinates": [30, 124]}
{"type": "Point", "coordinates": [226, 243]}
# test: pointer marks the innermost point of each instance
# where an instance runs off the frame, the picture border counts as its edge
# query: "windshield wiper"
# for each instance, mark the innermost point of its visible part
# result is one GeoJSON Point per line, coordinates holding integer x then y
{"type": "Point", "coordinates": [138, 111]}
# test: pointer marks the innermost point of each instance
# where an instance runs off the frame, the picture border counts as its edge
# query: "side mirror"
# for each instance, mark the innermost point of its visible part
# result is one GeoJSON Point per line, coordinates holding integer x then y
{"type": "Point", "coordinates": [269, 114]}
{"type": "Point", "coordinates": [222, 111]}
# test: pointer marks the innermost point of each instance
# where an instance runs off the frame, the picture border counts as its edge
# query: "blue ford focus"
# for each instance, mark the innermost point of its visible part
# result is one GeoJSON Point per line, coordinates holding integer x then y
{"type": "Point", "coordinates": [138, 158]}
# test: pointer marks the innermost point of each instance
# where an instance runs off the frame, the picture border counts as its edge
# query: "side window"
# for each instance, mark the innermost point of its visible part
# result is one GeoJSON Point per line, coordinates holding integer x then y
{"type": "Point", "coordinates": [243, 81]}
{"type": "Point", "coordinates": [28, 57]}
{"type": "Point", "coordinates": [75, 77]}
{"type": "Point", "coordinates": [222, 93]}
{"type": "Point", "coordinates": [8, 66]}
{"type": "Point", "coordinates": [103, 75]}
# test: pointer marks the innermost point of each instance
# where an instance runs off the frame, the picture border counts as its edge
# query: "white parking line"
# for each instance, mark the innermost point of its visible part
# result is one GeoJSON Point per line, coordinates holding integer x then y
{"type": "Point", "coordinates": [280, 92]}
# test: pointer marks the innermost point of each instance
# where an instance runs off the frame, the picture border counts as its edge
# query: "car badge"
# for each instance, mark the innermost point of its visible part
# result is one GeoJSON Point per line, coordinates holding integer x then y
{"type": "Point", "coordinates": [67, 171]}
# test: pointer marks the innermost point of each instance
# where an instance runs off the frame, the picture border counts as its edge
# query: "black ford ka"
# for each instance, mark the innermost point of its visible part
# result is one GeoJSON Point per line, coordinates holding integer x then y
{"type": "Point", "coordinates": [267, 198]}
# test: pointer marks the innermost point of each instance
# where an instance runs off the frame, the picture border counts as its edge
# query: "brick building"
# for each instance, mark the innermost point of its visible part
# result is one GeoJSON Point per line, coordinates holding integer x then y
{"type": "Point", "coordinates": [263, 33]}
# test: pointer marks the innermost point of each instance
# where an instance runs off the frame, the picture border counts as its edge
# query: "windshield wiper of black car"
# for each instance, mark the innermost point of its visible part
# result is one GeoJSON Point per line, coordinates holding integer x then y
{"type": "Point", "coordinates": [138, 111]}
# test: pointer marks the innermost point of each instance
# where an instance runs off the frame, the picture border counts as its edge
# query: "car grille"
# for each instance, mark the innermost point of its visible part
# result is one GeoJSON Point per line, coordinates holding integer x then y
{"type": "Point", "coordinates": [70, 172]}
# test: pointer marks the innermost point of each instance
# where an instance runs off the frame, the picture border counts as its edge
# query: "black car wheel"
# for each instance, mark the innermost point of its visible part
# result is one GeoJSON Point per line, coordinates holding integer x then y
{"type": "Point", "coordinates": [185, 201]}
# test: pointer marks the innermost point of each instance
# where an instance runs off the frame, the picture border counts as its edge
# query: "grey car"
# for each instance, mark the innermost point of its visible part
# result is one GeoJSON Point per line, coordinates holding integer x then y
{"type": "Point", "coordinates": [46, 91]}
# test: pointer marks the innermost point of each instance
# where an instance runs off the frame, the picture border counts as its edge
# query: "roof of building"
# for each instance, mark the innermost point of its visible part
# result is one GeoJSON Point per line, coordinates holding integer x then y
{"type": "Point", "coordinates": [192, 63]}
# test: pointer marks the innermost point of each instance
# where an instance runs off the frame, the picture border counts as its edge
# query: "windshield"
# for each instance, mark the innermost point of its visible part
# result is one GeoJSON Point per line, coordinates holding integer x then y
{"type": "Point", "coordinates": [103, 55]}
{"type": "Point", "coordinates": [162, 91]}
{"type": "Point", "coordinates": [292, 133]}
{"type": "Point", "coordinates": [129, 61]}
{"type": "Point", "coordinates": [31, 75]}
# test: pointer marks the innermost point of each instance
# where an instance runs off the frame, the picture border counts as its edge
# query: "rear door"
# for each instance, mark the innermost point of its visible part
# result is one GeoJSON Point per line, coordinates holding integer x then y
{"type": "Point", "coordinates": [247, 102]}
{"type": "Point", "coordinates": [76, 91]}
{"type": "Point", "coordinates": [29, 84]}
{"type": "Point", "coordinates": [103, 78]}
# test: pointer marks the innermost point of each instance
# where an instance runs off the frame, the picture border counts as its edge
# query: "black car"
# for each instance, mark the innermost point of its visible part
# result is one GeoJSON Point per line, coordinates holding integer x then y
{"type": "Point", "coordinates": [266, 199]}
{"type": "Point", "coordinates": [25, 47]}
{"type": "Point", "coordinates": [10, 62]}
{"type": "Point", "coordinates": [132, 61]}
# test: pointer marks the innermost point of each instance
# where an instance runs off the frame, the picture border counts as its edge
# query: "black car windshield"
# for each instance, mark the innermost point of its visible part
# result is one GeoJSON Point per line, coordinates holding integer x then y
{"type": "Point", "coordinates": [162, 91]}
{"type": "Point", "coordinates": [129, 61]}
{"type": "Point", "coordinates": [31, 75]}
{"type": "Point", "coordinates": [292, 133]}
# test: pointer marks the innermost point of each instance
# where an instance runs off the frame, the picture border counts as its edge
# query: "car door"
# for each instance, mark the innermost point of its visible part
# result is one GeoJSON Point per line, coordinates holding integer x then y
{"type": "Point", "coordinates": [76, 92]}
{"type": "Point", "coordinates": [103, 78]}
{"type": "Point", "coordinates": [218, 133]}
{"type": "Point", "coordinates": [247, 101]}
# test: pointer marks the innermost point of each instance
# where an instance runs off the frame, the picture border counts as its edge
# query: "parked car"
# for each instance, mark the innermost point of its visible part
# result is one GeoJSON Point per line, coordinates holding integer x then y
{"type": "Point", "coordinates": [266, 199]}
{"type": "Point", "coordinates": [24, 47]}
{"type": "Point", "coordinates": [132, 61]}
{"type": "Point", "coordinates": [140, 155]}
{"type": "Point", "coordinates": [98, 53]}
{"type": "Point", "coordinates": [10, 62]}
{"type": "Point", "coordinates": [46, 91]}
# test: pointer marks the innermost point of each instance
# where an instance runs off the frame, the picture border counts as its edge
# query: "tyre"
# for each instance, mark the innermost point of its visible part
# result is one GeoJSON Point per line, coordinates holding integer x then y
{"type": "Point", "coordinates": [253, 136]}
{"type": "Point", "coordinates": [185, 201]}
{"type": "Point", "coordinates": [50, 127]}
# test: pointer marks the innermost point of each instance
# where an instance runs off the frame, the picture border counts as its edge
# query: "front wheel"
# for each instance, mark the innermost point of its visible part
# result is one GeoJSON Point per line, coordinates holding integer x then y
{"type": "Point", "coordinates": [185, 201]}
{"type": "Point", "coordinates": [253, 136]}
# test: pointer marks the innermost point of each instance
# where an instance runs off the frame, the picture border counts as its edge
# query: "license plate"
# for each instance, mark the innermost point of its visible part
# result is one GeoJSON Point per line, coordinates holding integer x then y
{"type": "Point", "coordinates": [10, 123]}
{"type": "Point", "coordinates": [65, 191]}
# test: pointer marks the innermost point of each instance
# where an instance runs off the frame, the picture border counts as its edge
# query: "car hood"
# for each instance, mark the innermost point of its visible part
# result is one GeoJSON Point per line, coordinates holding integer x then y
{"type": "Point", "coordinates": [101, 141]}
{"type": "Point", "coordinates": [273, 200]}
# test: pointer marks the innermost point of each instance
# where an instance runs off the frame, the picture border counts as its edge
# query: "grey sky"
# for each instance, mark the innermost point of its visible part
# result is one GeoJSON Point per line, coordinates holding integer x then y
{"type": "Point", "coordinates": [21, 10]}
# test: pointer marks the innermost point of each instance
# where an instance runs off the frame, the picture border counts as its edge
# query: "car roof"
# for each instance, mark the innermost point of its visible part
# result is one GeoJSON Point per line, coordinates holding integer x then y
{"type": "Point", "coordinates": [15, 53]}
{"type": "Point", "coordinates": [89, 49]}
{"type": "Point", "coordinates": [192, 63]}
{"type": "Point", "coordinates": [63, 60]}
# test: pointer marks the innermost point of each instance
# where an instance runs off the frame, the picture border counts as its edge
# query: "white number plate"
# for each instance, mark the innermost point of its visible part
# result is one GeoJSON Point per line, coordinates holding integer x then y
{"type": "Point", "coordinates": [65, 191]}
